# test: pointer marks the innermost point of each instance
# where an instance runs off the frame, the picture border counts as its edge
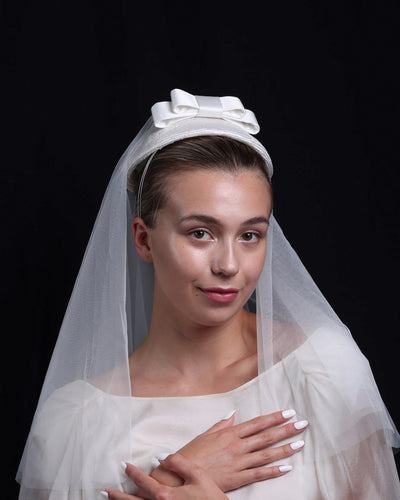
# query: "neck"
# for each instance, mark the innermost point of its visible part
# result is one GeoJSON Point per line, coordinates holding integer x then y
{"type": "Point", "coordinates": [192, 357]}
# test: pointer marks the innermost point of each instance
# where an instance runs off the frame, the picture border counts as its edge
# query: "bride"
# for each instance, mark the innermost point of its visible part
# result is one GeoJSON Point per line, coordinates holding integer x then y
{"type": "Point", "coordinates": [196, 349]}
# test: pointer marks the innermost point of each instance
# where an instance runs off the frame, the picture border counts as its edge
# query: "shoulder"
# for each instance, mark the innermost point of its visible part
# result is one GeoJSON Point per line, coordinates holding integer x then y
{"type": "Point", "coordinates": [335, 385]}
{"type": "Point", "coordinates": [70, 396]}
{"type": "Point", "coordinates": [57, 415]}
{"type": "Point", "coordinates": [334, 351]}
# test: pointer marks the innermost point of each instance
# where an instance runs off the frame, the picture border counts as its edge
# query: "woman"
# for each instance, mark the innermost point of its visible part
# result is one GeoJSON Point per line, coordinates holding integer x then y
{"type": "Point", "coordinates": [164, 335]}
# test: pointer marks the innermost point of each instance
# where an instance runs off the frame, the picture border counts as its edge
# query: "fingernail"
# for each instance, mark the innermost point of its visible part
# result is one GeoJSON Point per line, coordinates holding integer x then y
{"type": "Point", "coordinates": [301, 424]}
{"type": "Point", "coordinates": [104, 494]}
{"type": "Point", "coordinates": [162, 456]}
{"type": "Point", "coordinates": [288, 413]}
{"type": "Point", "coordinates": [297, 444]}
{"type": "Point", "coordinates": [229, 415]}
{"type": "Point", "coordinates": [285, 468]}
{"type": "Point", "coordinates": [123, 465]}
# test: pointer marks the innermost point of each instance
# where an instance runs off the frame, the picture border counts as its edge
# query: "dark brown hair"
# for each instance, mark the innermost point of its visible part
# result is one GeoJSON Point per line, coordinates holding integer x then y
{"type": "Point", "coordinates": [195, 153]}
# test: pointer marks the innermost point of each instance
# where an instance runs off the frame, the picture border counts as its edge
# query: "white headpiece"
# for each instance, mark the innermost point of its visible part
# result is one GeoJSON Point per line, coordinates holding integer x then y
{"type": "Point", "coordinates": [110, 307]}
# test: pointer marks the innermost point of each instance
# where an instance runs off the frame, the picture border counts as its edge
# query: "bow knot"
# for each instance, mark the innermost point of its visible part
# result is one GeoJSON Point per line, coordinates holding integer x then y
{"type": "Point", "coordinates": [184, 105]}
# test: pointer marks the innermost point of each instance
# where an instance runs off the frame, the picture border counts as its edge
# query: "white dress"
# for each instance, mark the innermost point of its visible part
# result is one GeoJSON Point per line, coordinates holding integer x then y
{"type": "Point", "coordinates": [164, 424]}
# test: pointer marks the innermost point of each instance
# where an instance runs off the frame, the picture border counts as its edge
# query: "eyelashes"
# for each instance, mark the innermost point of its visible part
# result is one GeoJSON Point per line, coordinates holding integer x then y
{"type": "Point", "coordinates": [251, 236]}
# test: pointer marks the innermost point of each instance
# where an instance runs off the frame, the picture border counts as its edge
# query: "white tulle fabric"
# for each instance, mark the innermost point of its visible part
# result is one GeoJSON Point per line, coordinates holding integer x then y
{"type": "Point", "coordinates": [86, 421]}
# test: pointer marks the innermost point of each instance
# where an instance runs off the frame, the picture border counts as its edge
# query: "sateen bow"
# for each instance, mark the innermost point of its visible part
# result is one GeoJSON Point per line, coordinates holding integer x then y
{"type": "Point", "coordinates": [184, 105]}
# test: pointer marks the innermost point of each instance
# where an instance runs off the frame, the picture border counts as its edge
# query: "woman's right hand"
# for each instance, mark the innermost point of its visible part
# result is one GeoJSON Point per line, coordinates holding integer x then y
{"type": "Point", "coordinates": [236, 455]}
{"type": "Point", "coordinates": [196, 483]}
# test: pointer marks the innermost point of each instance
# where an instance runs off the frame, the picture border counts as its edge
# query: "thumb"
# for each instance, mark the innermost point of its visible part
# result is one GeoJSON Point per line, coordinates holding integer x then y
{"type": "Point", "coordinates": [224, 423]}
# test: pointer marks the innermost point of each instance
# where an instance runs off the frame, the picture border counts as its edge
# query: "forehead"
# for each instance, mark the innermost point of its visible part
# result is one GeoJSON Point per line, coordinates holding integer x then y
{"type": "Point", "coordinates": [219, 193]}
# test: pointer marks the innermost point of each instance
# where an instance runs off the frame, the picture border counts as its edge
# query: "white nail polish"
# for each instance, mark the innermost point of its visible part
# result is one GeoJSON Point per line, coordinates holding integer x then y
{"type": "Point", "coordinates": [104, 494]}
{"type": "Point", "coordinates": [301, 424]}
{"type": "Point", "coordinates": [229, 415]}
{"type": "Point", "coordinates": [288, 413]}
{"type": "Point", "coordinates": [123, 466]}
{"type": "Point", "coordinates": [285, 468]}
{"type": "Point", "coordinates": [162, 456]}
{"type": "Point", "coordinates": [297, 445]}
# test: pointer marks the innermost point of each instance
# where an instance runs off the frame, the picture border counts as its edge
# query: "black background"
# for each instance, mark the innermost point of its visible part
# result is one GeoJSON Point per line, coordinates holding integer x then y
{"type": "Point", "coordinates": [79, 79]}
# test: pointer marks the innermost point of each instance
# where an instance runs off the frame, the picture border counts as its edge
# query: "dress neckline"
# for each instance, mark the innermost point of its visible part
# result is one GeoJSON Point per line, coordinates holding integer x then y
{"type": "Point", "coordinates": [101, 392]}
{"type": "Point", "coordinates": [240, 388]}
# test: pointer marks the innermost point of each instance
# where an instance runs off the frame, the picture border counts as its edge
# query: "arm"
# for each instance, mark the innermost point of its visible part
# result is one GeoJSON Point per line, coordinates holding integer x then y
{"type": "Point", "coordinates": [350, 431]}
{"type": "Point", "coordinates": [365, 471]}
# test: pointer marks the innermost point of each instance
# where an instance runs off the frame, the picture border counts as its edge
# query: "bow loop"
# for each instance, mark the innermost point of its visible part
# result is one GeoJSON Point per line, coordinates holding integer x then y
{"type": "Point", "coordinates": [184, 105]}
{"type": "Point", "coordinates": [182, 102]}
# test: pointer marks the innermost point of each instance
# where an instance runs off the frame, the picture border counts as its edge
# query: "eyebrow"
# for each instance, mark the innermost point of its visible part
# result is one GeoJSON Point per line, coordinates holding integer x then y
{"type": "Point", "coordinates": [207, 219]}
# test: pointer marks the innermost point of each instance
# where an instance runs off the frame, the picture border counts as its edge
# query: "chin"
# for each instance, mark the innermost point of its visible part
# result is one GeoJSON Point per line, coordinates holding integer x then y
{"type": "Point", "coordinates": [217, 317]}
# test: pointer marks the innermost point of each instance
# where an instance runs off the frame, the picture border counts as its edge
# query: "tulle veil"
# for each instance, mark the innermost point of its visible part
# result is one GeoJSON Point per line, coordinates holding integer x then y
{"type": "Point", "coordinates": [108, 316]}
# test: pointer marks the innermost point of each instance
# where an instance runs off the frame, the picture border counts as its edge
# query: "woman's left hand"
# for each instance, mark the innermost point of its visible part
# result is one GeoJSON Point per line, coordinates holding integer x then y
{"type": "Point", "coordinates": [196, 483]}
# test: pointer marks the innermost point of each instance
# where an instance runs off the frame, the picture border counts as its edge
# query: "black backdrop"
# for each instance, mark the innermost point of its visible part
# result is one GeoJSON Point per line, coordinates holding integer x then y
{"type": "Point", "coordinates": [79, 79]}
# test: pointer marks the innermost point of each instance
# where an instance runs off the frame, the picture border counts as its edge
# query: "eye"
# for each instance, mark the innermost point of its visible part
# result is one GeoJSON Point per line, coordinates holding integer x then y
{"type": "Point", "coordinates": [250, 236]}
{"type": "Point", "coordinates": [199, 234]}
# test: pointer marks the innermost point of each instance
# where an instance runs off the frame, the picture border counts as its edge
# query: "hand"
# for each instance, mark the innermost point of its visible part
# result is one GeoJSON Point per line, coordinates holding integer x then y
{"type": "Point", "coordinates": [196, 483]}
{"type": "Point", "coordinates": [236, 455]}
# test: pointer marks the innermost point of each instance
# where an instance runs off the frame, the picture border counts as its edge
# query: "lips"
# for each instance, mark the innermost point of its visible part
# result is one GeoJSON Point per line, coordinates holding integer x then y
{"type": "Point", "coordinates": [222, 295]}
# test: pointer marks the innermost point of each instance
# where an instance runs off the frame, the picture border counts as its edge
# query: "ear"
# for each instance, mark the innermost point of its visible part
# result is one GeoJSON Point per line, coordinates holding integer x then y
{"type": "Point", "coordinates": [141, 237]}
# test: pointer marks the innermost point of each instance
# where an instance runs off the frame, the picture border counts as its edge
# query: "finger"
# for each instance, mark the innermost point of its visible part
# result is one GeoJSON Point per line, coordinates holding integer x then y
{"type": "Point", "coordinates": [224, 423]}
{"type": "Point", "coordinates": [272, 454]}
{"type": "Point", "coordinates": [250, 476]}
{"type": "Point", "coordinates": [142, 480]}
{"type": "Point", "coordinates": [273, 436]}
{"type": "Point", "coordinates": [259, 424]}
{"type": "Point", "coordinates": [185, 468]}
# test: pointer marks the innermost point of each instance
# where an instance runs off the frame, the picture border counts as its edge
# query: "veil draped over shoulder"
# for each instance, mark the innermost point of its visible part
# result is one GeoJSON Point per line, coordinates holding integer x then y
{"type": "Point", "coordinates": [109, 315]}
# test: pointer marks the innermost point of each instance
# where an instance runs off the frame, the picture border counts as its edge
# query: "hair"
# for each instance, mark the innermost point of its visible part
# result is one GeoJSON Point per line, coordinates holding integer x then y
{"type": "Point", "coordinates": [195, 153]}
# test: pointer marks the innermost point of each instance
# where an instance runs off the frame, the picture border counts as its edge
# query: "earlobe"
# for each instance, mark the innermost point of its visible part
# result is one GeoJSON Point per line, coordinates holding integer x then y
{"type": "Point", "coordinates": [141, 238]}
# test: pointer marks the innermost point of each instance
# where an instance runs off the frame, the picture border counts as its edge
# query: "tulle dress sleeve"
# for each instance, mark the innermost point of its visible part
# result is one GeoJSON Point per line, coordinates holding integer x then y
{"type": "Point", "coordinates": [77, 443]}
{"type": "Point", "coordinates": [349, 429]}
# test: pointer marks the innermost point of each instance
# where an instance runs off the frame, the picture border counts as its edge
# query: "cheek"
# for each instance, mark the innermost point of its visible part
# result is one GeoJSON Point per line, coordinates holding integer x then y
{"type": "Point", "coordinates": [254, 266]}
{"type": "Point", "coordinates": [176, 259]}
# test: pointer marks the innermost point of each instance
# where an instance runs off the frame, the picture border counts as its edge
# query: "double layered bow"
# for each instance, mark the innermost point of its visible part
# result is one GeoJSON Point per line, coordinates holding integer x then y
{"type": "Point", "coordinates": [184, 105]}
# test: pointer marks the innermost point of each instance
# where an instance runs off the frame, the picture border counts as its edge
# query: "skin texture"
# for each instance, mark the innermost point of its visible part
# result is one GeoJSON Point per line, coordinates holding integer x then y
{"type": "Point", "coordinates": [209, 238]}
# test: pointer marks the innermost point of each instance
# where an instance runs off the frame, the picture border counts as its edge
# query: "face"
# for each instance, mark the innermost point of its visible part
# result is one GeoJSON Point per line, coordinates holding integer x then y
{"type": "Point", "coordinates": [208, 244]}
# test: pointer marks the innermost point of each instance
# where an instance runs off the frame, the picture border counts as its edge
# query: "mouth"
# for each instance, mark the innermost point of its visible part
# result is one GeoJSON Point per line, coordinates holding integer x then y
{"type": "Point", "coordinates": [222, 295]}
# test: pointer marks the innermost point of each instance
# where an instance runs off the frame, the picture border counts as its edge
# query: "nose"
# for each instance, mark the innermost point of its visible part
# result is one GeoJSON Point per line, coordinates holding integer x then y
{"type": "Point", "coordinates": [225, 261]}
